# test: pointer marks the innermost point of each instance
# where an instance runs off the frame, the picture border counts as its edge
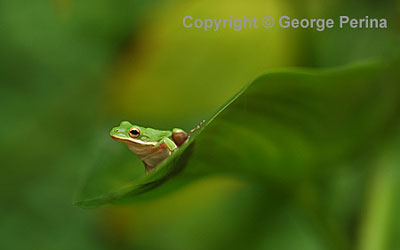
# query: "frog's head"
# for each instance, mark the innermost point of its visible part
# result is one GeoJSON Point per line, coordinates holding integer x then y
{"type": "Point", "coordinates": [130, 134]}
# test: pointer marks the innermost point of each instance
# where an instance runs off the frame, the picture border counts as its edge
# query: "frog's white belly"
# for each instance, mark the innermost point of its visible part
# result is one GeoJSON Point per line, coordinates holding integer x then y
{"type": "Point", "coordinates": [149, 154]}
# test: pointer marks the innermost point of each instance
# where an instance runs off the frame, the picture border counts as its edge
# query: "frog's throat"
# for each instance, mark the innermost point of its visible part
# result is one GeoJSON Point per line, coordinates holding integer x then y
{"type": "Point", "coordinates": [135, 141]}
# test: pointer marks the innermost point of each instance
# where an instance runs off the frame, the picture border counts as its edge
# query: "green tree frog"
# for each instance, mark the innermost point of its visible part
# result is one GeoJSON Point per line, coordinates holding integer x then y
{"type": "Point", "coordinates": [152, 146]}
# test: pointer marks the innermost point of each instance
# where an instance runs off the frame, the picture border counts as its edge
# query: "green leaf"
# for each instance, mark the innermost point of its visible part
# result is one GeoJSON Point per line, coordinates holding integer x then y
{"type": "Point", "coordinates": [284, 127]}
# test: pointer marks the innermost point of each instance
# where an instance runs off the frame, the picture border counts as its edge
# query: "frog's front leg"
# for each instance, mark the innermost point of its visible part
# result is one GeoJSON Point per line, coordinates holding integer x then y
{"type": "Point", "coordinates": [169, 143]}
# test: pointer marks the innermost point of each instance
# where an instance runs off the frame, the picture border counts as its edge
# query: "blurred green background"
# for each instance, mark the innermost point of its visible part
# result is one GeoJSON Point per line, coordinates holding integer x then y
{"type": "Point", "coordinates": [70, 70]}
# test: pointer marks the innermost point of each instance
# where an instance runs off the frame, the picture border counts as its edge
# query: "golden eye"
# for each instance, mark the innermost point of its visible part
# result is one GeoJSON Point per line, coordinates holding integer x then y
{"type": "Point", "coordinates": [134, 132]}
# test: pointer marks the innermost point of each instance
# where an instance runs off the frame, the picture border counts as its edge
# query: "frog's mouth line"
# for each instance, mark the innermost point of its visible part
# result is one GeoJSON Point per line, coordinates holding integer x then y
{"type": "Point", "coordinates": [144, 143]}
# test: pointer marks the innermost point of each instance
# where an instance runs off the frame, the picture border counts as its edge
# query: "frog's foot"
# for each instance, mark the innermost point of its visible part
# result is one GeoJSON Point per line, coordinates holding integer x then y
{"type": "Point", "coordinates": [148, 168]}
{"type": "Point", "coordinates": [197, 127]}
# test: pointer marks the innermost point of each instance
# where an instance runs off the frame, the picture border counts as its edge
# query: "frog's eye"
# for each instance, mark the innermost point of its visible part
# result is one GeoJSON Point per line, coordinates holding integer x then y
{"type": "Point", "coordinates": [134, 132]}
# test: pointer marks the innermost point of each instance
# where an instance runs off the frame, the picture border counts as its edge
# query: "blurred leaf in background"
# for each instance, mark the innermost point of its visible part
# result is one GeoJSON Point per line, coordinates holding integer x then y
{"type": "Point", "coordinates": [341, 46]}
{"type": "Point", "coordinates": [54, 55]}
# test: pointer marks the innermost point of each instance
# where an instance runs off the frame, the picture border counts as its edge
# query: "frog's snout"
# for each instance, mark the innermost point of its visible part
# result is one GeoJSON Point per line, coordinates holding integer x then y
{"type": "Point", "coordinates": [114, 131]}
{"type": "Point", "coordinates": [117, 132]}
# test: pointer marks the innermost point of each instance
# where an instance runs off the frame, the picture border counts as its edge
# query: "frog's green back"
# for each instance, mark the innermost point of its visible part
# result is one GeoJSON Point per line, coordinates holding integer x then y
{"type": "Point", "coordinates": [150, 134]}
